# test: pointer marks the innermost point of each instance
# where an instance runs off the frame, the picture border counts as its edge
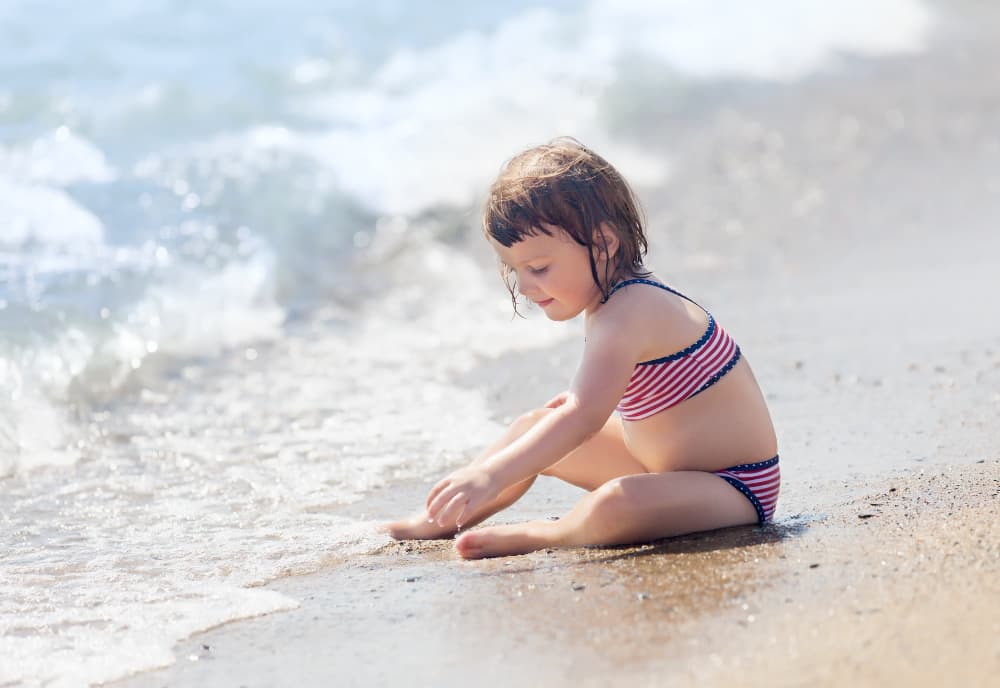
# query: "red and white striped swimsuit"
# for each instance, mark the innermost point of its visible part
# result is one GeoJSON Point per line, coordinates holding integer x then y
{"type": "Point", "coordinates": [759, 482]}
{"type": "Point", "coordinates": [664, 382]}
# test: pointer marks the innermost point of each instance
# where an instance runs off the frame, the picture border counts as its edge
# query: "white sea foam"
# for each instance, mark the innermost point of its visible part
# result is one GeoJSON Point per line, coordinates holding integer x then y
{"type": "Point", "coordinates": [33, 205]}
{"type": "Point", "coordinates": [57, 158]}
{"type": "Point", "coordinates": [430, 127]}
{"type": "Point", "coordinates": [776, 40]}
{"type": "Point", "coordinates": [111, 613]}
{"type": "Point", "coordinates": [230, 478]}
{"type": "Point", "coordinates": [34, 423]}
{"type": "Point", "coordinates": [194, 313]}
{"type": "Point", "coordinates": [202, 313]}
{"type": "Point", "coordinates": [44, 215]}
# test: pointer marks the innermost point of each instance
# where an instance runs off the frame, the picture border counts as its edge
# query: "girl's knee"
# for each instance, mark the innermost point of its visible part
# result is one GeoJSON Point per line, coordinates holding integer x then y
{"type": "Point", "coordinates": [610, 500]}
{"type": "Point", "coordinates": [606, 517]}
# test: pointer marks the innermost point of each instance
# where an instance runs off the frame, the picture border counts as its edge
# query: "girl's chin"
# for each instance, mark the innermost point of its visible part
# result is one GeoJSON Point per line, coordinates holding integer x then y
{"type": "Point", "coordinates": [560, 315]}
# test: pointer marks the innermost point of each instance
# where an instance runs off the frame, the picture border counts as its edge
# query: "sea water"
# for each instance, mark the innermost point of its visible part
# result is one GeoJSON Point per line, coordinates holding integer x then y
{"type": "Point", "coordinates": [236, 289]}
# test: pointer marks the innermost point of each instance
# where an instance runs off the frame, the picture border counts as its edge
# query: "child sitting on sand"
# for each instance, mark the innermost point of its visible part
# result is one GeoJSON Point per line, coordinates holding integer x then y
{"type": "Point", "coordinates": [692, 446]}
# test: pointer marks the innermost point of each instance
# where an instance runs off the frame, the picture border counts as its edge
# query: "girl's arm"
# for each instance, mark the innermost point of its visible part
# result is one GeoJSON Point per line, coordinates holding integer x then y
{"type": "Point", "coordinates": [608, 361]}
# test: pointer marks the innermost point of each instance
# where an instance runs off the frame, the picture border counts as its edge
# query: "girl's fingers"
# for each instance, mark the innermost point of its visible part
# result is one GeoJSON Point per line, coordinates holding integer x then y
{"type": "Point", "coordinates": [432, 509]}
{"type": "Point", "coordinates": [435, 491]}
{"type": "Point", "coordinates": [454, 507]}
{"type": "Point", "coordinates": [437, 505]}
{"type": "Point", "coordinates": [467, 510]}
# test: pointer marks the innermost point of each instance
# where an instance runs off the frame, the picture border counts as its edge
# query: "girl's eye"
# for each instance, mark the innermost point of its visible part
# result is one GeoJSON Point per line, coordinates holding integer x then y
{"type": "Point", "coordinates": [538, 271]}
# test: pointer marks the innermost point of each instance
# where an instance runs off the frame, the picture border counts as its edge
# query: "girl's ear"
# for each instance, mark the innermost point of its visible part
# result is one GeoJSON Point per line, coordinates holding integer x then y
{"type": "Point", "coordinates": [606, 240]}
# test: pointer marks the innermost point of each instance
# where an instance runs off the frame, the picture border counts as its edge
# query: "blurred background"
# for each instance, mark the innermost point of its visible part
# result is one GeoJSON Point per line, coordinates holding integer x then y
{"type": "Point", "coordinates": [178, 179]}
{"type": "Point", "coordinates": [242, 284]}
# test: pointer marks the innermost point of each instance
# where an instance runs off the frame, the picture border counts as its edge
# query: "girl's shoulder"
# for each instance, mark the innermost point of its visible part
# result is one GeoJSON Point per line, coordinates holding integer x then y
{"type": "Point", "coordinates": [645, 296]}
{"type": "Point", "coordinates": [655, 314]}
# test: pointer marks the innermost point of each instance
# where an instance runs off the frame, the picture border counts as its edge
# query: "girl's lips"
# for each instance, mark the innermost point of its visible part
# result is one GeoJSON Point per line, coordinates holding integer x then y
{"type": "Point", "coordinates": [544, 303]}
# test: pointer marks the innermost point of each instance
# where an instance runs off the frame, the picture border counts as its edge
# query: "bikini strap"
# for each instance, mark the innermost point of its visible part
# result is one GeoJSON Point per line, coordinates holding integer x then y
{"type": "Point", "coordinates": [625, 283]}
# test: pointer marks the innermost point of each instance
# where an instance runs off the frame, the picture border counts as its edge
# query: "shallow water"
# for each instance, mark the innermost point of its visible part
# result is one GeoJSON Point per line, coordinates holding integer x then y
{"type": "Point", "coordinates": [236, 294]}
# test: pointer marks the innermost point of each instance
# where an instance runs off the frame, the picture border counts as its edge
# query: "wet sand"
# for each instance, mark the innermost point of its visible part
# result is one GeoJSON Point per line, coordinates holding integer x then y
{"type": "Point", "coordinates": [845, 231]}
{"type": "Point", "coordinates": [897, 586]}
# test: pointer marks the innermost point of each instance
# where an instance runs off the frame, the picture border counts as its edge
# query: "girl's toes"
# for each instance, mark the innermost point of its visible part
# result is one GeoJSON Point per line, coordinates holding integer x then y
{"type": "Point", "coordinates": [469, 545]}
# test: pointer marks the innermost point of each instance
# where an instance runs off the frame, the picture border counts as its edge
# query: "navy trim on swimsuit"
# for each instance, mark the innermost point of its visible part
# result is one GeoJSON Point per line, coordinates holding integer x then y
{"type": "Point", "coordinates": [747, 492]}
{"type": "Point", "coordinates": [661, 285]}
{"type": "Point", "coordinates": [688, 351]}
{"type": "Point", "coordinates": [692, 348]}
{"type": "Point", "coordinates": [753, 466]}
{"type": "Point", "coordinates": [718, 376]}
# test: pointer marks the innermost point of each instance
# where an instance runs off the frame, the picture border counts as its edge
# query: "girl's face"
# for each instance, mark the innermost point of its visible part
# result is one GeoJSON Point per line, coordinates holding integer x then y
{"type": "Point", "coordinates": [553, 272]}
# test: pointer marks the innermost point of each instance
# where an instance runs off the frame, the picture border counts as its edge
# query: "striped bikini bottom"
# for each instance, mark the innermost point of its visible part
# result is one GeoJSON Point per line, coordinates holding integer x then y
{"type": "Point", "coordinates": [759, 482]}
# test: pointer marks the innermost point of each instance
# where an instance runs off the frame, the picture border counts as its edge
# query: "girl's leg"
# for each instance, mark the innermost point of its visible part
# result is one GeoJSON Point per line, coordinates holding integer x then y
{"type": "Point", "coordinates": [590, 465]}
{"type": "Point", "coordinates": [631, 509]}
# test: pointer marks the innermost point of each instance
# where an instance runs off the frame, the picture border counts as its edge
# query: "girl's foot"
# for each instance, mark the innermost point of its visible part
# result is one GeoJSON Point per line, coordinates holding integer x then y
{"type": "Point", "coordinates": [417, 528]}
{"type": "Point", "coordinates": [502, 541]}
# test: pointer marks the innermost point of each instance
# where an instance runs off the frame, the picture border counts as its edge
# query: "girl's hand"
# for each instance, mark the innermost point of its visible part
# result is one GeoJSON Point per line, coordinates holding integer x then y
{"type": "Point", "coordinates": [460, 495]}
{"type": "Point", "coordinates": [558, 400]}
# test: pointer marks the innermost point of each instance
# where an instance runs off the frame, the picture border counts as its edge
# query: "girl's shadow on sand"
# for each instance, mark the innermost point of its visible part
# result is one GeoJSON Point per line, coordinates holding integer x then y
{"type": "Point", "coordinates": [742, 542]}
{"type": "Point", "coordinates": [714, 540]}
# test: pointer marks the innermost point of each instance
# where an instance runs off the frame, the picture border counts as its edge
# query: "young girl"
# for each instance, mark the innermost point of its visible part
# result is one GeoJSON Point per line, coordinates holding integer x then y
{"type": "Point", "coordinates": [692, 446]}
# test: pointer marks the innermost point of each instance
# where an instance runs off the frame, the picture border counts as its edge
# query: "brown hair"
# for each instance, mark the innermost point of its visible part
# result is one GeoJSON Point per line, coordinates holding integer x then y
{"type": "Point", "coordinates": [564, 183]}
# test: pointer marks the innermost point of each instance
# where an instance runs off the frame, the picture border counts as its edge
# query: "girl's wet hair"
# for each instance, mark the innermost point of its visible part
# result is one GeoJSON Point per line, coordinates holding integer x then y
{"type": "Point", "coordinates": [564, 183]}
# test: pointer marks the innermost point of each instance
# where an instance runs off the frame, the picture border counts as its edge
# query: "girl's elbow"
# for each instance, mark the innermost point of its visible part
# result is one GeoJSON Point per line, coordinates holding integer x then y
{"type": "Point", "coordinates": [591, 418]}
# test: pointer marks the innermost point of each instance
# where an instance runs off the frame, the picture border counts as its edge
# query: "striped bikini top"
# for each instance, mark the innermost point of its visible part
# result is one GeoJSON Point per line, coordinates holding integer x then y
{"type": "Point", "coordinates": [664, 382]}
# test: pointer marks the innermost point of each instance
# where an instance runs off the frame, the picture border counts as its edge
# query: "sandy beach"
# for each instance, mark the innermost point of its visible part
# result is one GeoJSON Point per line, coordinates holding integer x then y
{"type": "Point", "coordinates": [896, 586]}
{"type": "Point", "coordinates": [845, 230]}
